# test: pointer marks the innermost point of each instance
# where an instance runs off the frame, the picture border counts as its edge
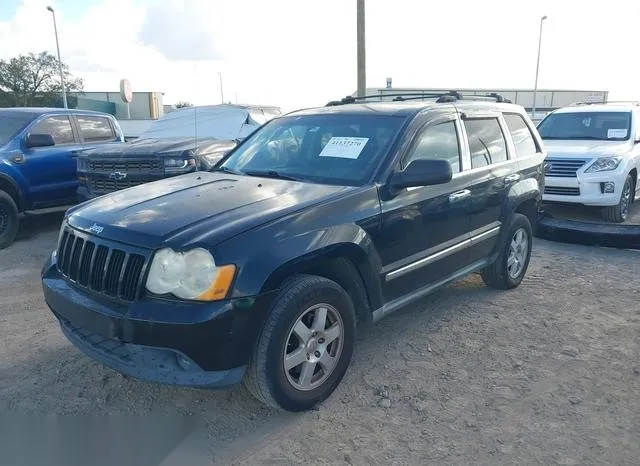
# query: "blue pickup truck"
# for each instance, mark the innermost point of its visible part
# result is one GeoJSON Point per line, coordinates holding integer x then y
{"type": "Point", "coordinates": [37, 158]}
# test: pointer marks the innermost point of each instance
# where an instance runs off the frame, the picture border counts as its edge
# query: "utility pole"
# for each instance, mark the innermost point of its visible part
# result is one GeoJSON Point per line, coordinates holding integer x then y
{"type": "Point", "coordinates": [535, 86]}
{"type": "Point", "coordinates": [55, 28]}
{"type": "Point", "coordinates": [362, 62]}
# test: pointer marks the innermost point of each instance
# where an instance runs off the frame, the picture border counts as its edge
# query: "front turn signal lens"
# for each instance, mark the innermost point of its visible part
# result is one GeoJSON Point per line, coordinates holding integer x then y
{"type": "Point", "coordinates": [220, 284]}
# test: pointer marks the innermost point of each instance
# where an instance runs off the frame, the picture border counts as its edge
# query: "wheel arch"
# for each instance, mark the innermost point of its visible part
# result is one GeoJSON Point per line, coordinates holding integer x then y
{"type": "Point", "coordinates": [345, 263]}
{"type": "Point", "coordinates": [9, 186]}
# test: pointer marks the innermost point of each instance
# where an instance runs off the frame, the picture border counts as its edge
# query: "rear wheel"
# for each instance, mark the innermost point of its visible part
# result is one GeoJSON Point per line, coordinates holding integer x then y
{"type": "Point", "coordinates": [305, 346]}
{"type": "Point", "coordinates": [9, 220]}
{"type": "Point", "coordinates": [618, 213]}
{"type": "Point", "coordinates": [509, 268]}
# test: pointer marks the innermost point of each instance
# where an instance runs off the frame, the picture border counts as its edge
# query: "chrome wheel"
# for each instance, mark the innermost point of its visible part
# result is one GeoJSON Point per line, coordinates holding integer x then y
{"type": "Point", "coordinates": [313, 348]}
{"type": "Point", "coordinates": [625, 200]}
{"type": "Point", "coordinates": [518, 251]}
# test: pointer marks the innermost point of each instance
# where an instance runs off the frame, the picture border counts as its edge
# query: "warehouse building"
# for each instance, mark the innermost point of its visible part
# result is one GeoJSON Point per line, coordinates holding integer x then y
{"type": "Point", "coordinates": [547, 100]}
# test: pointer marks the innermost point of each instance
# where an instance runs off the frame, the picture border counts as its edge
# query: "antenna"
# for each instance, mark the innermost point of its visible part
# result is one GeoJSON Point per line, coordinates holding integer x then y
{"type": "Point", "coordinates": [195, 107]}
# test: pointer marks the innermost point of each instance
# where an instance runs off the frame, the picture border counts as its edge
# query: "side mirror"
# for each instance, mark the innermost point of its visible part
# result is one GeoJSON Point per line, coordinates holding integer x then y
{"type": "Point", "coordinates": [40, 140]}
{"type": "Point", "coordinates": [423, 173]}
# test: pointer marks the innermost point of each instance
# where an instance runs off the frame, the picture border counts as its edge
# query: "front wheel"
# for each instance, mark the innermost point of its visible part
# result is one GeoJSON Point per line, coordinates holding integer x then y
{"type": "Point", "coordinates": [9, 220]}
{"type": "Point", "coordinates": [305, 345]}
{"type": "Point", "coordinates": [509, 268]}
{"type": "Point", "coordinates": [618, 213]}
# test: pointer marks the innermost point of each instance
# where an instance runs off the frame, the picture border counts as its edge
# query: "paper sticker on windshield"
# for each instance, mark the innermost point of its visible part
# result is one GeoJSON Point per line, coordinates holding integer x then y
{"type": "Point", "coordinates": [344, 148]}
{"type": "Point", "coordinates": [616, 133]}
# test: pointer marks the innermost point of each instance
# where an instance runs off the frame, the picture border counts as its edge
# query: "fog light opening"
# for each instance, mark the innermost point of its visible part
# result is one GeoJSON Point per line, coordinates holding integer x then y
{"type": "Point", "coordinates": [607, 187]}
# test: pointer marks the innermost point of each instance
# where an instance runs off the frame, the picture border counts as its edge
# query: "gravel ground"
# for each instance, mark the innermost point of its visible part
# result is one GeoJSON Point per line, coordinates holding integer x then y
{"type": "Point", "coordinates": [548, 373]}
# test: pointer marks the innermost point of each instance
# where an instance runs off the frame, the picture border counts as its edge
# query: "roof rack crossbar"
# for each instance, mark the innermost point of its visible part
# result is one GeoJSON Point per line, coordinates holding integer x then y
{"type": "Point", "coordinates": [451, 96]}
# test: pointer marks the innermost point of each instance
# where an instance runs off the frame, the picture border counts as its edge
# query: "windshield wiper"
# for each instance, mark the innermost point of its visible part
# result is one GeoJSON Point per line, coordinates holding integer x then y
{"type": "Point", "coordinates": [271, 174]}
{"type": "Point", "coordinates": [227, 170]}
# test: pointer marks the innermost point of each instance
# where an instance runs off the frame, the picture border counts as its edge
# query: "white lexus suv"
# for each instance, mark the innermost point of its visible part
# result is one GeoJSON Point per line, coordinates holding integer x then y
{"type": "Point", "coordinates": [593, 156]}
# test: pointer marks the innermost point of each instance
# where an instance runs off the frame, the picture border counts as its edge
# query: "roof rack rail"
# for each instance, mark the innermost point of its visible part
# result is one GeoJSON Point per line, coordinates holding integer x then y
{"type": "Point", "coordinates": [632, 102]}
{"type": "Point", "coordinates": [451, 96]}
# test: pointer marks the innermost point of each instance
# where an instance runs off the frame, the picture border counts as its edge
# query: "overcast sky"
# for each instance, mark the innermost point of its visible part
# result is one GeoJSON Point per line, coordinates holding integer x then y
{"type": "Point", "coordinates": [298, 53]}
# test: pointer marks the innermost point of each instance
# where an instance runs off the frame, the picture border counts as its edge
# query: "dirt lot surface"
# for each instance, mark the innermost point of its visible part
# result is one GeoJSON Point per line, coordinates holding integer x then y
{"type": "Point", "coordinates": [548, 373]}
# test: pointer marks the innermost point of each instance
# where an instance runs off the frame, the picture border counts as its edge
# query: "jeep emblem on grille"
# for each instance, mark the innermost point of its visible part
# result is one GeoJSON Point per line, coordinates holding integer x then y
{"type": "Point", "coordinates": [97, 229]}
{"type": "Point", "coordinates": [117, 176]}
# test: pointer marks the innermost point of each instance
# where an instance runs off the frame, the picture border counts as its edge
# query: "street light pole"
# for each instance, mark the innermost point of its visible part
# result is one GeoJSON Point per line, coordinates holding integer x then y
{"type": "Point", "coordinates": [55, 28]}
{"type": "Point", "coordinates": [362, 71]}
{"type": "Point", "coordinates": [535, 86]}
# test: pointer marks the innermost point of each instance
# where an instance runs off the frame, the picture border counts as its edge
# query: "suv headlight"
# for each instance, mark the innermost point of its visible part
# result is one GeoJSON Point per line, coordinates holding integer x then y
{"type": "Point", "coordinates": [178, 164]}
{"type": "Point", "coordinates": [189, 275]}
{"type": "Point", "coordinates": [604, 164]}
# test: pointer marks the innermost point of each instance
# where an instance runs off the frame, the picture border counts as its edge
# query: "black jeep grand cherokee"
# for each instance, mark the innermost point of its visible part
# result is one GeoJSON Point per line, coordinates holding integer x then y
{"type": "Point", "coordinates": [259, 269]}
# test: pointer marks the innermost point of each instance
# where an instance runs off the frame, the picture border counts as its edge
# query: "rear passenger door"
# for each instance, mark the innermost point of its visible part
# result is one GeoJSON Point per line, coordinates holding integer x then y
{"type": "Point", "coordinates": [491, 169]}
{"type": "Point", "coordinates": [95, 130]}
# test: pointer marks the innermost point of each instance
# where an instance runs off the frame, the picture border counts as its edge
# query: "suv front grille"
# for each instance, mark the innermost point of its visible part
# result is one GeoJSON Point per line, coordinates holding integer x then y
{"type": "Point", "coordinates": [107, 186]}
{"type": "Point", "coordinates": [562, 168]}
{"type": "Point", "coordinates": [109, 166]}
{"type": "Point", "coordinates": [100, 266]}
{"type": "Point", "coordinates": [561, 191]}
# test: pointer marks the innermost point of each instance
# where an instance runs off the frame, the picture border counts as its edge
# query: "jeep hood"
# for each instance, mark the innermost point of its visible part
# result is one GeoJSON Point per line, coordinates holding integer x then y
{"type": "Point", "coordinates": [159, 146]}
{"type": "Point", "coordinates": [584, 149]}
{"type": "Point", "coordinates": [200, 207]}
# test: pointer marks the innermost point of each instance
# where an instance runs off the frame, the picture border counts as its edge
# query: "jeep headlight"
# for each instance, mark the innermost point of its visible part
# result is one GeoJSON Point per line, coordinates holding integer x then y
{"type": "Point", "coordinates": [189, 275]}
{"type": "Point", "coordinates": [604, 164]}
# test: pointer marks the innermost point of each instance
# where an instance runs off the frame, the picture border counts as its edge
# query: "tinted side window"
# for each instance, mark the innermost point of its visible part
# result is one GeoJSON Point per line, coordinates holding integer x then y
{"type": "Point", "coordinates": [438, 142]}
{"type": "Point", "coordinates": [59, 127]}
{"type": "Point", "coordinates": [486, 141]}
{"type": "Point", "coordinates": [521, 134]}
{"type": "Point", "coordinates": [93, 129]}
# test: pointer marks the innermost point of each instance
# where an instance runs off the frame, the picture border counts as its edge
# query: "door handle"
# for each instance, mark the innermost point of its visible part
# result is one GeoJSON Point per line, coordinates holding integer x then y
{"type": "Point", "coordinates": [459, 196]}
{"type": "Point", "coordinates": [512, 178]}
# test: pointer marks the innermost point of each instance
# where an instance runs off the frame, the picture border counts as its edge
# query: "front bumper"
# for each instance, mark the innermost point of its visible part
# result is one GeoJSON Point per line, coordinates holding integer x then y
{"type": "Point", "coordinates": [169, 342]}
{"type": "Point", "coordinates": [589, 187]}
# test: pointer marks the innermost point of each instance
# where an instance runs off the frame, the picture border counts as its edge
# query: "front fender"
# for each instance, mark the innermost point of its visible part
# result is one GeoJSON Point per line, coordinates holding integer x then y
{"type": "Point", "coordinates": [264, 263]}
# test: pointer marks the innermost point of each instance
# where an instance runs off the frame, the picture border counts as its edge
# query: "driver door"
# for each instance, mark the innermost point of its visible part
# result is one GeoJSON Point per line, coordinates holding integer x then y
{"type": "Point", "coordinates": [425, 230]}
{"type": "Point", "coordinates": [51, 171]}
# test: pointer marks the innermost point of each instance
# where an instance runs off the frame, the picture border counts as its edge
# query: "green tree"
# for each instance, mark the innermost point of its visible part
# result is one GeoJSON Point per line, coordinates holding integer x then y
{"type": "Point", "coordinates": [183, 104]}
{"type": "Point", "coordinates": [34, 80]}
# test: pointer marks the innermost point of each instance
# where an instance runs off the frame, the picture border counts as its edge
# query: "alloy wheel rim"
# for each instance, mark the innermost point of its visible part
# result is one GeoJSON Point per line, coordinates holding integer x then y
{"type": "Point", "coordinates": [313, 347]}
{"type": "Point", "coordinates": [625, 201]}
{"type": "Point", "coordinates": [518, 250]}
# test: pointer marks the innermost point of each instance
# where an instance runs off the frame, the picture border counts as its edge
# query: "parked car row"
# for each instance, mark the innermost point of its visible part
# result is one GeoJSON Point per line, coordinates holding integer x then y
{"type": "Point", "coordinates": [54, 157]}
{"type": "Point", "coordinates": [306, 224]}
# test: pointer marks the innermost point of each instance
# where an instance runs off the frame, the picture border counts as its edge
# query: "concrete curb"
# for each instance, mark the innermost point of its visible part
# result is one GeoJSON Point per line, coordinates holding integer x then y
{"type": "Point", "coordinates": [572, 231]}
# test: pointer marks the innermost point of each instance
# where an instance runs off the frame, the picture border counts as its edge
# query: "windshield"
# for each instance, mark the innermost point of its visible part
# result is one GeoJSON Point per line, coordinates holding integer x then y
{"type": "Point", "coordinates": [332, 149]}
{"type": "Point", "coordinates": [602, 126]}
{"type": "Point", "coordinates": [11, 124]}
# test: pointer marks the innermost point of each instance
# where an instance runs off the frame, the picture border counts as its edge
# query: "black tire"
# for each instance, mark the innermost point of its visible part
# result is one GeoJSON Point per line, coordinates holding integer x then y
{"type": "Point", "coordinates": [9, 220]}
{"type": "Point", "coordinates": [618, 213]}
{"type": "Point", "coordinates": [266, 377]}
{"type": "Point", "coordinates": [497, 275]}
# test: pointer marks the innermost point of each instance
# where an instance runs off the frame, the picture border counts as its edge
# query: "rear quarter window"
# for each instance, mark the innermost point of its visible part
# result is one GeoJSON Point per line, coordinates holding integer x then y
{"type": "Point", "coordinates": [95, 129]}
